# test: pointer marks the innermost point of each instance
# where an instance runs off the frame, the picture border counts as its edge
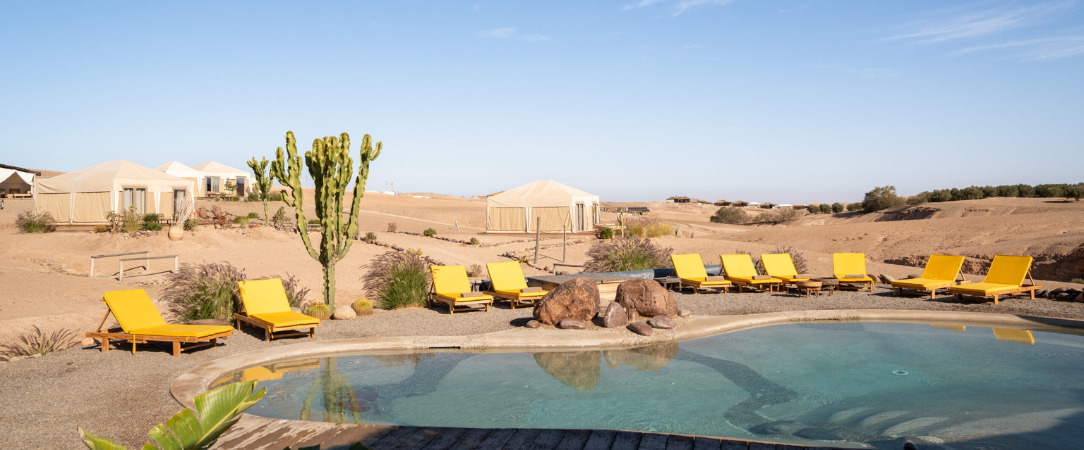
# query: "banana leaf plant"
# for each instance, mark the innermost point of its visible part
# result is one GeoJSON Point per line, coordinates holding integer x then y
{"type": "Point", "coordinates": [216, 411]}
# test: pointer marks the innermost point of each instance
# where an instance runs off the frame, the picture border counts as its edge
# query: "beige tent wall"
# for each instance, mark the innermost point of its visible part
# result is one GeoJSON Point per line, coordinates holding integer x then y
{"type": "Point", "coordinates": [57, 205]}
{"type": "Point", "coordinates": [91, 207]}
{"type": "Point", "coordinates": [507, 219]}
{"type": "Point", "coordinates": [554, 218]}
{"type": "Point", "coordinates": [165, 206]}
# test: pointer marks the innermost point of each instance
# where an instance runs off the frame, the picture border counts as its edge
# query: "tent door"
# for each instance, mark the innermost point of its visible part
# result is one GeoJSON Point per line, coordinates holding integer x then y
{"type": "Point", "coordinates": [178, 201]}
{"type": "Point", "coordinates": [578, 226]}
{"type": "Point", "coordinates": [135, 197]}
{"type": "Point", "coordinates": [212, 185]}
{"type": "Point", "coordinates": [240, 187]}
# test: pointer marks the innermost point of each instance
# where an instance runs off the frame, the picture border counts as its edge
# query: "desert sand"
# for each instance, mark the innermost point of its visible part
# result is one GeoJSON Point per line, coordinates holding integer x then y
{"type": "Point", "coordinates": [120, 395]}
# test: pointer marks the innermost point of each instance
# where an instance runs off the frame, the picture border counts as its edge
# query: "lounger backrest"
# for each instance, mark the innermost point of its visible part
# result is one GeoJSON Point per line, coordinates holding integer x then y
{"type": "Point", "coordinates": [778, 264]}
{"type": "Point", "coordinates": [943, 267]}
{"type": "Point", "coordinates": [133, 309]}
{"type": "Point", "coordinates": [689, 266]}
{"type": "Point", "coordinates": [263, 296]}
{"type": "Point", "coordinates": [738, 265]}
{"type": "Point", "coordinates": [506, 276]}
{"type": "Point", "coordinates": [450, 279]}
{"type": "Point", "coordinates": [844, 264]}
{"type": "Point", "coordinates": [1008, 270]}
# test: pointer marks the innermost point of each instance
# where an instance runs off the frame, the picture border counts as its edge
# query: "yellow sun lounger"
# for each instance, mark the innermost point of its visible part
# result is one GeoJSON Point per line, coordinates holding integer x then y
{"type": "Point", "coordinates": [690, 270]}
{"type": "Point", "coordinates": [850, 268]}
{"type": "Point", "coordinates": [741, 271]}
{"type": "Point", "coordinates": [1005, 277]}
{"type": "Point", "coordinates": [451, 287]}
{"type": "Point", "coordinates": [940, 272]}
{"type": "Point", "coordinates": [140, 322]}
{"type": "Point", "coordinates": [510, 284]}
{"type": "Point", "coordinates": [781, 266]}
{"type": "Point", "coordinates": [266, 307]}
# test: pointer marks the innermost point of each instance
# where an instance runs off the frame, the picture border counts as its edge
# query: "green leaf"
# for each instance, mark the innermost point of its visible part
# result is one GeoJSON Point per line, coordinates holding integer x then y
{"type": "Point", "coordinates": [97, 443]}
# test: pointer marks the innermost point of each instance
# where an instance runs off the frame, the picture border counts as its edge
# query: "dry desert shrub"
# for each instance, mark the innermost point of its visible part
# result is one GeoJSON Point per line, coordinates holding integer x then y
{"type": "Point", "coordinates": [780, 215]}
{"type": "Point", "coordinates": [799, 259]}
{"type": "Point", "coordinates": [34, 222]}
{"type": "Point", "coordinates": [38, 343]}
{"type": "Point", "coordinates": [731, 215]}
{"type": "Point", "coordinates": [204, 291]}
{"type": "Point", "coordinates": [648, 228]}
{"type": "Point", "coordinates": [623, 254]}
{"type": "Point", "coordinates": [399, 279]}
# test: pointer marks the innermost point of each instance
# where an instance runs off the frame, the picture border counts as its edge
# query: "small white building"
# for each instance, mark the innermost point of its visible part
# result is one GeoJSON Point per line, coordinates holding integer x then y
{"type": "Point", "coordinates": [214, 175]}
{"type": "Point", "coordinates": [556, 206]}
{"type": "Point", "coordinates": [15, 182]}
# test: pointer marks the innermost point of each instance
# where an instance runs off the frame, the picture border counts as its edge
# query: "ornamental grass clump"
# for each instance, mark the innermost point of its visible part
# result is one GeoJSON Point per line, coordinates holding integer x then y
{"type": "Point", "coordinates": [34, 222]}
{"type": "Point", "coordinates": [648, 228]}
{"type": "Point", "coordinates": [399, 279]}
{"type": "Point", "coordinates": [623, 254]}
{"type": "Point", "coordinates": [39, 344]}
{"type": "Point", "coordinates": [204, 291]}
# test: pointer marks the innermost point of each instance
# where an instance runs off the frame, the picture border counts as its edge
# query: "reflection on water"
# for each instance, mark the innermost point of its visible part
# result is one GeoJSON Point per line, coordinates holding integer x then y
{"type": "Point", "coordinates": [841, 384]}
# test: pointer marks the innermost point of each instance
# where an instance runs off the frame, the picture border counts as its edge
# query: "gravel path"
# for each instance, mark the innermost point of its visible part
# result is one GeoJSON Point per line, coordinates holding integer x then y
{"type": "Point", "coordinates": [122, 396]}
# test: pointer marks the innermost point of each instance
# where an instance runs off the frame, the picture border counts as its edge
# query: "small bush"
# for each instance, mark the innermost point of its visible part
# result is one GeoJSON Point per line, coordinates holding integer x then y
{"type": "Point", "coordinates": [253, 197]}
{"type": "Point", "coordinates": [617, 255]}
{"type": "Point", "coordinates": [606, 233]}
{"type": "Point", "coordinates": [204, 291]}
{"type": "Point", "coordinates": [429, 232]}
{"type": "Point", "coordinates": [473, 241]}
{"type": "Point", "coordinates": [392, 227]}
{"type": "Point", "coordinates": [659, 229]}
{"type": "Point", "coordinates": [319, 310]}
{"type": "Point", "coordinates": [38, 343]}
{"type": "Point", "coordinates": [150, 218]}
{"type": "Point", "coordinates": [274, 197]}
{"type": "Point", "coordinates": [369, 238]}
{"type": "Point", "coordinates": [813, 209]}
{"type": "Point", "coordinates": [399, 279]}
{"type": "Point", "coordinates": [825, 208]}
{"type": "Point", "coordinates": [362, 307]}
{"type": "Point", "coordinates": [414, 251]}
{"type": "Point", "coordinates": [800, 264]}
{"type": "Point", "coordinates": [777, 216]}
{"type": "Point", "coordinates": [475, 270]}
{"type": "Point", "coordinates": [919, 199]}
{"type": "Point", "coordinates": [153, 226]}
{"type": "Point", "coordinates": [314, 221]}
{"type": "Point", "coordinates": [33, 222]}
{"type": "Point", "coordinates": [130, 222]}
{"type": "Point", "coordinates": [101, 229]}
{"type": "Point", "coordinates": [881, 198]}
{"type": "Point", "coordinates": [730, 214]}
{"type": "Point", "coordinates": [241, 221]}
{"type": "Point", "coordinates": [837, 208]}
{"type": "Point", "coordinates": [279, 218]}
{"type": "Point", "coordinates": [190, 224]}
{"type": "Point", "coordinates": [295, 294]}
{"type": "Point", "coordinates": [1077, 280]}
{"type": "Point", "coordinates": [856, 206]}
{"type": "Point", "coordinates": [253, 215]}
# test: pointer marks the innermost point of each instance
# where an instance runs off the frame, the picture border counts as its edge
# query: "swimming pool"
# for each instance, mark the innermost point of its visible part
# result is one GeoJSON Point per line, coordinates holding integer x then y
{"type": "Point", "coordinates": [824, 383]}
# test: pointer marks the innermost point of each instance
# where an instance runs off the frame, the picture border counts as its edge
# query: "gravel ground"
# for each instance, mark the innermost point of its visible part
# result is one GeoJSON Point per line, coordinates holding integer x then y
{"type": "Point", "coordinates": [122, 396]}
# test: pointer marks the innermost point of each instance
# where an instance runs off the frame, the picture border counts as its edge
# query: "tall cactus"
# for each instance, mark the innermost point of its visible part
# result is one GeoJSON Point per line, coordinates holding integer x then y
{"type": "Point", "coordinates": [331, 167]}
{"type": "Point", "coordinates": [263, 182]}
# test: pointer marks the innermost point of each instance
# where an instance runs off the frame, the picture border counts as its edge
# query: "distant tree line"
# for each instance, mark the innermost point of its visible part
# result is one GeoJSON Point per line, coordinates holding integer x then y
{"type": "Point", "coordinates": [1067, 191]}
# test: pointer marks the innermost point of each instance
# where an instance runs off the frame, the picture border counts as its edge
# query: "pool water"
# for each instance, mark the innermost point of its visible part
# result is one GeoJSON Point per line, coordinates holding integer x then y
{"type": "Point", "coordinates": [840, 384]}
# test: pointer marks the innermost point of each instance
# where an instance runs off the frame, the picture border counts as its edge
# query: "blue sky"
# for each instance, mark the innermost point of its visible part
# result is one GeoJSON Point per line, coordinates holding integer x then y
{"type": "Point", "coordinates": [781, 101]}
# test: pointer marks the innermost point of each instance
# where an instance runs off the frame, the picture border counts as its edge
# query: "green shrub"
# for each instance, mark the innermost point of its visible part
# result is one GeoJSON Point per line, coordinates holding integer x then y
{"type": "Point", "coordinates": [101, 228]}
{"type": "Point", "coordinates": [1050, 191]}
{"type": "Point", "coordinates": [825, 208]}
{"type": "Point", "coordinates": [659, 229]}
{"type": "Point", "coordinates": [1024, 190]}
{"type": "Point", "coordinates": [940, 195]}
{"type": "Point", "coordinates": [730, 214]}
{"type": "Point", "coordinates": [253, 215]}
{"type": "Point", "coordinates": [837, 207]}
{"type": "Point", "coordinates": [153, 226]}
{"type": "Point", "coordinates": [473, 241]}
{"type": "Point", "coordinates": [813, 209]}
{"type": "Point", "coordinates": [856, 206]}
{"type": "Point", "coordinates": [314, 221]}
{"type": "Point", "coordinates": [150, 218]}
{"type": "Point", "coordinates": [1074, 192]}
{"type": "Point", "coordinates": [370, 237]}
{"type": "Point", "coordinates": [130, 221]}
{"type": "Point", "coordinates": [204, 291]}
{"type": "Point", "coordinates": [399, 279]}
{"type": "Point", "coordinates": [362, 307]}
{"type": "Point", "coordinates": [279, 218]}
{"type": "Point", "coordinates": [968, 193]}
{"type": "Point", "coordinates": [241, 221]}
{"type": "Point", "coordinates": [274, 197]}
{"type": "Point", "coordinates": [989, 191]}
{"type": "Point", "coordinates": [190, 224]}
{"type": "Point", "coordinates": [917, 199]}
{"type": "Point", "coordinates": [319, 310]}
{"type": "Point", "coordinates": [1007, 191]}
{"type": "Point", "coordinates": [881, 198]}
{"type": "Point", "coordinates": [429, 232]}
{"type": "Point", "coordinates": [34, 222]}
{"type": "Point", "coordinates": [1077, 280]}
{"type": "Point", "coordinates": [605, 233]}
{"type": "Point", "coordinates": [38, 343]}
{"type": "Point", "coordinates": [622, 254]}
{"type": "Point", "coordinates": [252, 197]}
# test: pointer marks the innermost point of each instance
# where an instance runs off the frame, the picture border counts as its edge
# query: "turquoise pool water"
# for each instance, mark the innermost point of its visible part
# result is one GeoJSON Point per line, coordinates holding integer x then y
{"type": "Point", "coordinates": [843, 384]}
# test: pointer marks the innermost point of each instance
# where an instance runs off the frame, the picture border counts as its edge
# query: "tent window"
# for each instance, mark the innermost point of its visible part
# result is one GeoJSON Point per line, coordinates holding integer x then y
{"type": "Point", "coordinates": [136, 197]}
{"type": "Point", "coordinates": [212, 184]}
{"type": "Point", "coordinates": [579, 217]}
{"type": "Point", "coordinates": [241, 186]}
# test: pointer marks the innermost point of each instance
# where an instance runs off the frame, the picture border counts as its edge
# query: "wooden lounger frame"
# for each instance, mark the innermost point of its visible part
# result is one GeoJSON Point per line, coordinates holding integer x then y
{"type": "Point", "coordinates": [697, 286]}
{"type": "Point", "coordinates": [513, 299]}
{"type": "Point", "coordinates": [269, 329]}
{"type": "Point", "coordinates": [118, 333]}
{"type": "Point", "coordinates": [773, 286]}
{"type": "Point", "coordinates": [434, 299]}
{"type": "Point", "coordinates": [1028, 288]}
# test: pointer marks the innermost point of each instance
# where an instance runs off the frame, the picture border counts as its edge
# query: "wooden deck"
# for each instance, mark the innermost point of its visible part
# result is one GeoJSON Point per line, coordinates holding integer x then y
{"type": "Point", "coordinates": [276, 434]}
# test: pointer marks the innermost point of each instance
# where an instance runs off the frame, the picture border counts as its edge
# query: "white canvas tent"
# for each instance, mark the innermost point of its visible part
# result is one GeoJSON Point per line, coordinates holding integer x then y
{"type": "Point", "coordinates": [86, 196]}
{"type": "Point", "coordinates": [213, 177]}
{"type": "Point", "coordinates": [15, 181]}
{"type": "Point", "coordinates": [557, 206]}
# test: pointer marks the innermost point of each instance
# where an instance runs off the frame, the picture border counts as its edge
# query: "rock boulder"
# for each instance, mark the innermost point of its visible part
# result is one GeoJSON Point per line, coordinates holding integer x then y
{"type": "Point", "coordinates": [647, 298]}
{"type": "Point", "coordinates": [574, 299]}
{"type": "Point", "coordinates": [344, 312]}
{"type": "Point", "coordinates": [615, 316]}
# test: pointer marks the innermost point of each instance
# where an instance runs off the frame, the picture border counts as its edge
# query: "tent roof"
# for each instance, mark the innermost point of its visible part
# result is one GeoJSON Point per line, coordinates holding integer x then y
{"type": "Point", "coordinates": [106, 177]}
{"type": "Point", "coordinates": [178, 170]}
{"type": "Point", "coordinates": [15, 178]}
{"type": "Point", "coordinates": [539, 193]}
{"type": "Point", "coordinates": [217, 167]}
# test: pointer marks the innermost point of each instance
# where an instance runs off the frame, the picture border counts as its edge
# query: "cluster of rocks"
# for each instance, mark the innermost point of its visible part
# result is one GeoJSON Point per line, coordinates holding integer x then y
{"type": "Point", "coordinates": [1067, 295]}
{"type": "Point", "coordinates": [575, 303]}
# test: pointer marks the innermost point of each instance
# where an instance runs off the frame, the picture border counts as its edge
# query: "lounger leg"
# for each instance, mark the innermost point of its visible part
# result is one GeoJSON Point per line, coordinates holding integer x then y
{"type": "Point", "coordinates": [995, 299]}
{"type": "Point", "coordinates": [267, 334]}
{"type": "Point", "coordinates": [105, 344]}
{"type": "Point", "coordinates": [312, 332]}
{"type": "Point", "coordinates": [176, 348]}
{"type": "Point", "coordinates": [451, 309]}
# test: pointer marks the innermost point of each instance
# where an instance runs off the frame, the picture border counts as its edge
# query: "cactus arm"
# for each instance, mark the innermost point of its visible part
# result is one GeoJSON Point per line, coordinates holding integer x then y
{"type": "Point", "coordinates": [288, 172]}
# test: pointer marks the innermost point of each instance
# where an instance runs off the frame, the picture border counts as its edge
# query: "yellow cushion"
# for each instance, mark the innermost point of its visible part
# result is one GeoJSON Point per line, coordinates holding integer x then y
{"type": "Point", "coordinates": [921, 284]}
{"type": "Point", "coordinates": [1008, 270]}
{"type": "Point", "coordinates": [844, 264]}
{"type": "Point", "coordinates": [689, 266]}
{"type": "Point", "coordinates": [506, 276]}
{"type": "Point", "coordinates": [856, 279]}
{"type": "Point", "coordinates": [286, 318]}
{"type": "Point", "coordinates": [983, 289]}
{"type": "Point", "coordinates": [780, 265]}
{"type": "Point", "coordinates": [1014, 335]}
{"type": "Point", "coordinates": [193, 331]}
{"type": "Point", "coordinates": [133, 309]}
{"type": "Point", "coordinates": [738, 266]}
{"type": "Point", "coordinates": [943, 267]}
{"type": "Point", "coordinates": [263, 296]}
{"type": "Point", "coordinates": [459, 298]}
{"type": "Point", "coordinates": [753, 281]}
{"type": "Point", "coordinates": [703, 282]}
{"type": "Point", "coordinates": [450, 280]}
{"type": "Point", "coordinates": [516, 293]}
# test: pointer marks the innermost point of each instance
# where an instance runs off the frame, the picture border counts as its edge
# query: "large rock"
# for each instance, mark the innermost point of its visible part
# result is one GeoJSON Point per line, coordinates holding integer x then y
{"type": "Point", "coordinates": [574, 299]}
{"type": "Point", "coordinates": [344, 312]}
{"type": "Point", "coordinates": [646, 297]}
{"type": "Point", "coordinates": [615, 316]}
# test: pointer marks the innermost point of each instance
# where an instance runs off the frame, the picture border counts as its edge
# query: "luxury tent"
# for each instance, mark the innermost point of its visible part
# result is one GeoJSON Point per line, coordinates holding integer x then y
{"type": "Point", "coordinates": [559, 207]}
{"type": "Point", "coordinates": [15, 182]}
{"type": "Point", "coordinates": [213, 177]}
{"type": "Point", "coordinates": [180, 170]}
{"type": "Point", "coordinates": [86, 196]}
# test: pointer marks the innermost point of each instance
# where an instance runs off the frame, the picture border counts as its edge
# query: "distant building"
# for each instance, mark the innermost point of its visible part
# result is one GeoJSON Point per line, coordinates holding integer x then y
{"type": "Point", "coordinates": [16, 181]}
{"type": "Point", "coordinates": [679, 199]}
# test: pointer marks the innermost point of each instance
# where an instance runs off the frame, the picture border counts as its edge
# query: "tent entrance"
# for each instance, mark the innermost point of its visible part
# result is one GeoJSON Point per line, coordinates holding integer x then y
{"type": "Point", "coordinates": [135, 197]}
{"type": "Point", "coordinates": [579, 217]}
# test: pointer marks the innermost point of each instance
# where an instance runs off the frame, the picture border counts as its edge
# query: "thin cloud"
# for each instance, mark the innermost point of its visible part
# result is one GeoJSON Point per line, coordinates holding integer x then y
{"type": "Point", "coordinates": [679, 7]}
{"type": "Point", "coordinates": [511, 33]}
{"type": "Point", "coordinates": [1041, 49]}
{"type": "Point", "coordinates": [971, 23]}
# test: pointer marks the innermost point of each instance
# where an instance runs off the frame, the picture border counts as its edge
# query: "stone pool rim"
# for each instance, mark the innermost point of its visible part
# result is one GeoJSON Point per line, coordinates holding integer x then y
{"type": "Point", "coordinates": [198, 380]}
